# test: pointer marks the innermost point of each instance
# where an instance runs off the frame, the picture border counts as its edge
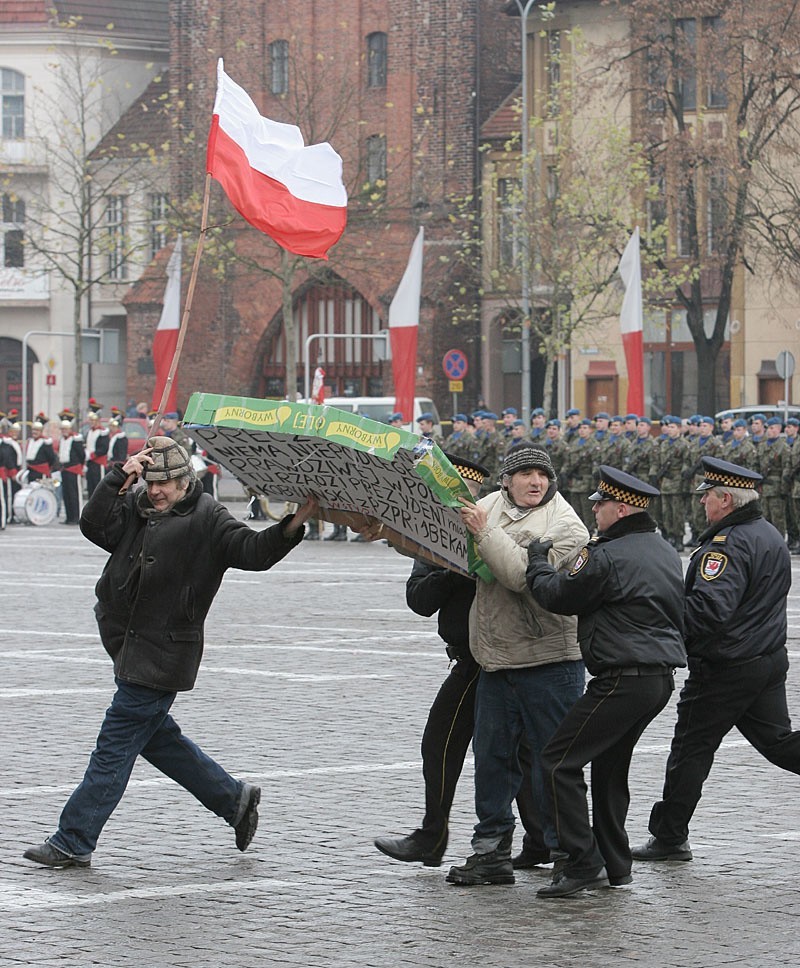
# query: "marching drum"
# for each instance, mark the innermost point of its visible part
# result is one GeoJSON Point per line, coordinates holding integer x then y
{"type": "Point", "coordinates": [35, 504]}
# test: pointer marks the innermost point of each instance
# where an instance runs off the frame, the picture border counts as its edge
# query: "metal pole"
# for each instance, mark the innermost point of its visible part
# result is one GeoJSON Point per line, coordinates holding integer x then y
{"type": "Point", "coordinates": [525, 341]}
{"type": "Point", "coordinates": [306, 355]}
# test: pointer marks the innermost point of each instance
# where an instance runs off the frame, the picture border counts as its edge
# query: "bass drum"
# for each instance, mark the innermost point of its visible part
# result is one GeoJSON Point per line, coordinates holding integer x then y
{"type": "Point", "coordinates": [35, 504]}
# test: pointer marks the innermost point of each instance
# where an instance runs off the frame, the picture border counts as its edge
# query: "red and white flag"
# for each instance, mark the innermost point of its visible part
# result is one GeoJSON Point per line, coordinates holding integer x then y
{"type": "Point", "coordinates": [403, 326]}
{"type": "Point", "coordinates": [630, 321]}
{"type": "Point", "coordinates": [291, 191]}
{"type": "Point", "coordinates": [318, 386]}
{"type": "Point", "coordinates": [166, 337]}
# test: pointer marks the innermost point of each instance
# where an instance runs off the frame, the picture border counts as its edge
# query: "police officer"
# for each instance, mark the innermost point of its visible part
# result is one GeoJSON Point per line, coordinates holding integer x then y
{"type": "Point", "coordinates": [627, 590]}
{"type": "Point", "coordinates": [735, 632]}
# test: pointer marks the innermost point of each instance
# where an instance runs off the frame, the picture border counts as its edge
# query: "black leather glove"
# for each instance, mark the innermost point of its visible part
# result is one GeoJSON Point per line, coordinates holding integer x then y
{"type": "Point", "coordinates": [539, 549]}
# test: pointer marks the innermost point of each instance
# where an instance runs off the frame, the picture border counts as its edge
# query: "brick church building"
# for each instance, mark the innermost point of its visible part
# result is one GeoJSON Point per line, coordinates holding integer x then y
{"type": "Point", "coordinates": [400, 88]}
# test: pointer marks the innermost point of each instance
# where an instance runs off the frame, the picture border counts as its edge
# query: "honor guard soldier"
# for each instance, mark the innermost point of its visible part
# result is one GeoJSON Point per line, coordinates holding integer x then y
{"type": "Point", "coordinates": [668, 464]}
{"type": "Point", "coordinates": [71, 456]}
{"type": "Point", "coordinates": [579, 467]}
{"type": "Point", "coordinates": [627, 590]}
{"type": "Point", "coordinates": [10, 466]}
{"type": "Point", "coordinates": [739, 449]}
{"type": "Point", "coordinates": [773, 459]}
{"type": "Point", "coordinates": [735, 629]}
{"type": "Point", "coordinates": [117, 438]}
{"type": "Point", "coordinates": [40, 457]}
{"type": "Point", "coordinates": [96, 447]}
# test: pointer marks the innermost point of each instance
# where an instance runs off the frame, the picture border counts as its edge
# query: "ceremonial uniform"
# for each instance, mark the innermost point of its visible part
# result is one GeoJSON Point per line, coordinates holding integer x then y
{"type": "Point", "coordinates": [40, 457]}
{"type": "Point", "coordinates": [96, 448]}
{"type": "Point", "coordinates": [71, 456]}
{"type": "Point", "coordinates": [10, 466]}
{"type": "Point", "coordinates": [627, 590]}
{"type": "Point", "coordinates": [735, 632]}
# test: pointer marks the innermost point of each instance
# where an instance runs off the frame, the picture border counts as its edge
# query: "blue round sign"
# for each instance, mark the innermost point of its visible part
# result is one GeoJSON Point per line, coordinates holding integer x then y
{"type": "Point", "coordinates": [454, 365]}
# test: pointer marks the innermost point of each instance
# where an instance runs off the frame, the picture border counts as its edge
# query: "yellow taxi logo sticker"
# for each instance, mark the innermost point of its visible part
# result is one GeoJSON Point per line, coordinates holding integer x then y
{"type": "Point", "coordinates": [712, 565]}
{"type": "Point", "coordinates": [580, 561]}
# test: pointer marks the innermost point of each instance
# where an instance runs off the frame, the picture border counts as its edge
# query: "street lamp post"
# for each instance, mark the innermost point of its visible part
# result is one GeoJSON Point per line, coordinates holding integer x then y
{"type": "Point", "coordinates": [524, 9]}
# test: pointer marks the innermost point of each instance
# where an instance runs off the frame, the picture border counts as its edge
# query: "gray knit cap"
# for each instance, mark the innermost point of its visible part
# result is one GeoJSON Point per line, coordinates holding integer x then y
{"type": "Point", "coordinates": [170, 460]}
{"type": "Point", "coordinates": [523, 457]}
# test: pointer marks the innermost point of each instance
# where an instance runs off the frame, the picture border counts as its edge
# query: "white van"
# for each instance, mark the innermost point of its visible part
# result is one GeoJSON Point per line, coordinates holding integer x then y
{"type": "Point", "coordinates": [379, 408]}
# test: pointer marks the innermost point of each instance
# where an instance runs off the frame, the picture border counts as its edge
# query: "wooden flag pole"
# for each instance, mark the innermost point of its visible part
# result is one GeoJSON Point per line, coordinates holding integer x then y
{"type": "Point", "coordinates": [153, 431]}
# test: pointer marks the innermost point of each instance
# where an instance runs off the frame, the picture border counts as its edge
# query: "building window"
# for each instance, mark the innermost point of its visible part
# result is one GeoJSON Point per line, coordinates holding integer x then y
{"type": "Point", "coordinates": [13, 234]}
{"type": "Point", "coordinates": [656, 200]}
{"type": "Point", "coordinates": [686, 219]}
{"type": "Point", "coordinates": [12, 103]}
{"type": "Point", "coordinates": [553, 73]}
{"type": "Point", "coordinates": [509, 214]}
{"type": "Point", "coordinates": [279, 66]}
{"type": "Point", "coordinates": [694, 47]}
{"type": "Point", "coordinates": [116, 237]}
{"type": "Point", "coordinates": [717, 96]}
{"type": "Point", "coordinates": [376, 60]}
{"type": "Point", "coordinates": [685, 62]}
{"type": "Point", "coordinates": [376, 158]}
{"type": "Point", "coordinates": [158, 223]}
{"type": "Point", "coordinates": [716, 212]}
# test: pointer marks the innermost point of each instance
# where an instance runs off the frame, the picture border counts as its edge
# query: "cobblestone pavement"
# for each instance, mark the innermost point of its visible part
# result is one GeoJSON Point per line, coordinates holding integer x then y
{"type": "Point", "coordinates": [315, 684]}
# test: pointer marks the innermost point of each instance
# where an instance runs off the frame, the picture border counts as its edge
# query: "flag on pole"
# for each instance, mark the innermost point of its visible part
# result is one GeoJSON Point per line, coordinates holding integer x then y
{"type": "Point", "coordinates": [403, 326]}
{"type": "Point", "coordinates": [318, 386]}
{"type": "Point", "coordinates": [166, 337]}
{"type": "Point", "coordinates": [291, 191]}
{"type": "Point", "coordinates": [631, 323]}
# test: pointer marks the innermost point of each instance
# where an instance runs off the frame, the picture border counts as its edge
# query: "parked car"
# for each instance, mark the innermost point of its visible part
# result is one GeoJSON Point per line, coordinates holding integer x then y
{"type": "Point", "coordinates": [136, 431]}
{"type": "Point", "coordinates": [379, 408]}
{"type": "Point", "coordinates": [768, 409]}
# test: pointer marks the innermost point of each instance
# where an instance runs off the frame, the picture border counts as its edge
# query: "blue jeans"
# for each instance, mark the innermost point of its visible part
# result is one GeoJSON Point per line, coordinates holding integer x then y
{"type": "Point", "coordinates": [138, 722]}
{"type": "Point", "coordinates": [511, 703]}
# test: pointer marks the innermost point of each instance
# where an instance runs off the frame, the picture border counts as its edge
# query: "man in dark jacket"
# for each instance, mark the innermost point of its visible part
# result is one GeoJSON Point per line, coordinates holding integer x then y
{"type": "Point", "coordinates": [170, 545]}
{"type": "Point", "coordinates": [735, 616]}
{"type": "Point", "coordinates": [626, 588]}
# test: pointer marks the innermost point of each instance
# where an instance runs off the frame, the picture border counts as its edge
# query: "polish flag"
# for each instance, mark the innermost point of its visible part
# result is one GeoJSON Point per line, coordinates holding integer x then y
{"type": "Point", "coordinates": [631, 323]}
{"type": "Point", "coordinates": [291, 191]}
{"type": "Point", "coordinates": [318, 386]}
{"type": "Point", "coordinates": [403, 326]}
{"type": "Point", "coordinates": [166, 338]}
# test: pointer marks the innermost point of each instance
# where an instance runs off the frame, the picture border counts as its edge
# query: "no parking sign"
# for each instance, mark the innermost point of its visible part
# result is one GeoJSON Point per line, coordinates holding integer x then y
{"type": "Point", "coordinates": [455, 365]}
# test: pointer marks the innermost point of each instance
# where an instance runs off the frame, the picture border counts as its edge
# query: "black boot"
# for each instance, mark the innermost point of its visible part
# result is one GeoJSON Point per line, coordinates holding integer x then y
{"type": "Point", "coordinates": [492, 868]}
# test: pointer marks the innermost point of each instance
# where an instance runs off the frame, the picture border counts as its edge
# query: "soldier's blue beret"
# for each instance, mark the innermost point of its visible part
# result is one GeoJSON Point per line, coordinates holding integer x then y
{"type": "Point", "coordinates": [510, 410]}
{"type": "Point", "coordinates": [774, 420]}
{"type": "Point", "coordinates": [573, 412]}
{"type": "Point", "coordinates": [459, 416]}
{"type": "Point", "coordinates": [740, 423]}
{"type": "Point", "coordinates": [425, 416]}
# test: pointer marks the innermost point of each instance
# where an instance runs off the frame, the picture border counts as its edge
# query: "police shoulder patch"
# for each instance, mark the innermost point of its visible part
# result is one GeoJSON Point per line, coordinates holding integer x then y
{"type": "Point", "coordinates": [580, 561]}
{"type": "Point", "coordinates": [719, 539]}
{"type": "Point", "coordinates": [712, 565]}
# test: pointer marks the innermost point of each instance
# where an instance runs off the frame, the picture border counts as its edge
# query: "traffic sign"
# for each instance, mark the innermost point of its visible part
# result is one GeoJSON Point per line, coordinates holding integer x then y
{"type": "Point", "coordinates": [50, 379]}
{"type": "Point", "coordinates": [784, 364]}
{"type": "Point", "coordinates": [455, 365]}
{"type": "Point", "coordinates": [456, 386]}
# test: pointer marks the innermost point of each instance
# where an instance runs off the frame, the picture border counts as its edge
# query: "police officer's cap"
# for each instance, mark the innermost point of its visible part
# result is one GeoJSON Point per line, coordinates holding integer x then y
{"type": "Point", "coordinates": [616, 485]}
{"type": "Point", "coordinates": [468, 469]}
{"type": "Point", "coordinates": [721, 473]}
{"type": "Point", "coordinates": [425, 416]}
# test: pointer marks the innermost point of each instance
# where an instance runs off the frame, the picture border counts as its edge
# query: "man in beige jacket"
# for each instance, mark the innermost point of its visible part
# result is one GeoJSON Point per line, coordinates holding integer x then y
{"type": "Point", "coordinates": [531, 666]}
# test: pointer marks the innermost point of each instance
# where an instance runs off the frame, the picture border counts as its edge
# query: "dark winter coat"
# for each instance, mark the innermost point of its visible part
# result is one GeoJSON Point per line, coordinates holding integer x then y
{"type": "Point", "coordinates": [163, 573]}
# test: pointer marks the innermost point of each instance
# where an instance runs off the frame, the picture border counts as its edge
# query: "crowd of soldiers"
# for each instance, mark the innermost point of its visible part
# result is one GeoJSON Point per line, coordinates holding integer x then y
{"type": "Point", "coordinates": [668, 454]}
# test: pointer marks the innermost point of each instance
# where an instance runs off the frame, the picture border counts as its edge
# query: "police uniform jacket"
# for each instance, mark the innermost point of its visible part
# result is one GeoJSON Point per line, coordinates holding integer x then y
{"type": "Point", "coordinates": [429, 590]}
{"type": "Point", "coordinates": [508, 628]}
{"type": "Point", "coordinates": [626, 587]}
{"type": "Point", "coordinates": [163, 573]}
{"type": "Point", "coordinates": [736, 587]}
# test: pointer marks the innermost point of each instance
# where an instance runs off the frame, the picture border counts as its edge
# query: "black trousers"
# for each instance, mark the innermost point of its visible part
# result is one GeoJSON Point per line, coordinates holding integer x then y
{"type": "Point", "coordinates": [750, 696]}
{"type": "Point", "coordinates": [94, 473]}
{"type": "Point", "coordinates": [602, 727]}
{"type": "Point", "coordinates": [445, 741]}
{"type": "Point", "coordinates": [69, 494]}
